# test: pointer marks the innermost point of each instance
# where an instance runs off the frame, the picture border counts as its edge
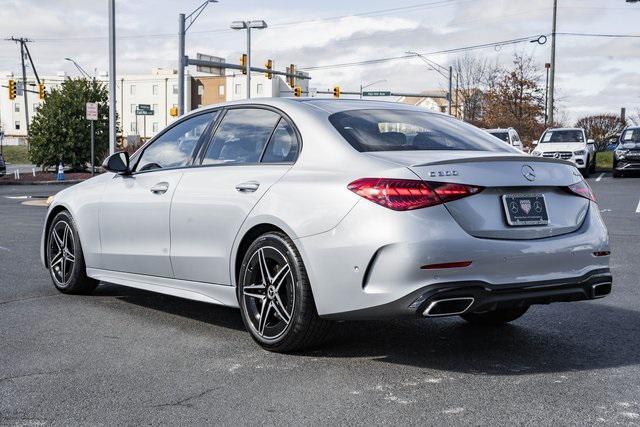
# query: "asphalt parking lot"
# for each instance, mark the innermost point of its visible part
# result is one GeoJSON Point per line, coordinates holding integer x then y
{"type": "Point", "coordinates": [124, 356]}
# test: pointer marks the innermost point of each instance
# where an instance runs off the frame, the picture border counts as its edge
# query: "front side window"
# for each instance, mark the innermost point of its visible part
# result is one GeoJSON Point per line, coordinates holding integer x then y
{"type": "Point", "coordinates": [175, 147]}
{"type": "Point", "coordinates": [241, 136]}
{"type": "Point", "coordinates": [571, 135]}
{"type": "Point", "coordinates": [283, 146]}
{"type": "Point", "coordinates": [407, 130]}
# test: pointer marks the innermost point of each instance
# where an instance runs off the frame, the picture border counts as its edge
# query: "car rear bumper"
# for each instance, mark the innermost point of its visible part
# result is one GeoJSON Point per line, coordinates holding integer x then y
{"type": "Point", "coordinates": [381, 258]}
{"type": "Point", "coordinates": [478, 296]}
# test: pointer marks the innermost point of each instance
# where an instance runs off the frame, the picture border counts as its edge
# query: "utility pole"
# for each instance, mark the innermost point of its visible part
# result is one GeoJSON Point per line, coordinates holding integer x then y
{"type": "Point", "coordinates": [181, 64]}
{"type": "Point", "coordinates": [553, 64]}
{"type": "Point", "coordinates": [24, 52]}
{"type": "Point", "coordinates": [248, 62]}
{"type": "Point", "coordinates": [112, 76]}
{"type": "Point", "coordinates": [450, 88]}
{"type": "Point", "coordinates": [546, 95]}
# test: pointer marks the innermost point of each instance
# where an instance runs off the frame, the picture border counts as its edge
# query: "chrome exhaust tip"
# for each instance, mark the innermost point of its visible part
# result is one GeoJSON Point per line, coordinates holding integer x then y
{"type": "Point", "coordinates": [600, 290]}
{"type": "Point", "coordinates": [448, 307]}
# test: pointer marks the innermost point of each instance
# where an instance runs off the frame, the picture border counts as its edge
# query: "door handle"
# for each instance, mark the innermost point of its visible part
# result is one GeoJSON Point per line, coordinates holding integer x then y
{"type": "Point", "coordinates": [248, 187]}
{"type": "Point", "coordinates": [160, 188]}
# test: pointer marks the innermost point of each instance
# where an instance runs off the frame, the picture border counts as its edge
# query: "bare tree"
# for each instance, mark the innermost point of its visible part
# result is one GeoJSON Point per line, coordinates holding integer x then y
{"type": "Point", "coordinates": [474, 76]}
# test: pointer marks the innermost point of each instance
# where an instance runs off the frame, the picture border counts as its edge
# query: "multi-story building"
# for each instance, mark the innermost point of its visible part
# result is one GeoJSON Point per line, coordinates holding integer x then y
{"type": "Point", "coordinates": [158, 90]}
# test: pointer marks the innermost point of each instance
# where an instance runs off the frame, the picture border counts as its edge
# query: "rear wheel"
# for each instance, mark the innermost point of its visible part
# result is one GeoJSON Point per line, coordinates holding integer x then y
{"type": "Point", "coordinates": [65, 258]}
{"type": "Point", "coordinates": [495, 317]}
{"type": "Point", "coordinates": [275, 297]}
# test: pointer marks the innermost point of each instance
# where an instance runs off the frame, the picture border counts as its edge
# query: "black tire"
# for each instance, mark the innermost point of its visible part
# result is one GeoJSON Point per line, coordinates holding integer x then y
{"type": "Point", "coordinates": [617, 174]}
{"type": "Point", "coordinates": [63, 244]}
{"type": "Point", "coordinates": [285, 292]}
{"type": "Point", "coordinates": [495, 317]}
{"type": "Point", "coordinates": [592, 165]}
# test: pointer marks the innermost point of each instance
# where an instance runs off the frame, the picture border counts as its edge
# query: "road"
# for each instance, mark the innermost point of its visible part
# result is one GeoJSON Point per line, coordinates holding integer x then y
{"type": "Point", "coordinates": [124, 356]}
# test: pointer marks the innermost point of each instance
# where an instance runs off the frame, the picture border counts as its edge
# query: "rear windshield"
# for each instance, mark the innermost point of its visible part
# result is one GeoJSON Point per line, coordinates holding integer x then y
{"type": "Point", "coordinates": [405, 130]}
{"type": "Point", "coordinates": [563, 136]}
{"type": "Point", "coordinates": [501, 135]}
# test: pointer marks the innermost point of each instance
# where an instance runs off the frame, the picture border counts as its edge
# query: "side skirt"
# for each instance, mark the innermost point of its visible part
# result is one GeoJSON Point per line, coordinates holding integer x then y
{"type": "Point", "coordinates": [198, 291]}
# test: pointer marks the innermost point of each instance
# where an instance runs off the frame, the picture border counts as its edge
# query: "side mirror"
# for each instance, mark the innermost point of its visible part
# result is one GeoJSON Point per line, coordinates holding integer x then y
{"type": "Point", "coordinates": [118, 163]}
{"type": "Point", "coordinates": [534, 142]}
{"type": "Point", "coordinates": [590, 141]}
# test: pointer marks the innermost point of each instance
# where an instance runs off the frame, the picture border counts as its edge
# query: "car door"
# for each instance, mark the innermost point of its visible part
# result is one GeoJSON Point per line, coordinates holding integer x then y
{"type": "Point", "coordinates": [134, 210]}
{"type": "Point", "coordinates": [251, 149]}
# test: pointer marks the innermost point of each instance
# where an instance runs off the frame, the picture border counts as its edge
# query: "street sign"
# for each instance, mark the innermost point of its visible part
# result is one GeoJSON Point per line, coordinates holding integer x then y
{"type": "Point", "coordinates": [376, 93]}
{"type": "Point", "coordinates": [92, 110]}
{"type": "Point", "coordinates": [144, 107]}
{"type": "Point", "coordinates": [140, 112]}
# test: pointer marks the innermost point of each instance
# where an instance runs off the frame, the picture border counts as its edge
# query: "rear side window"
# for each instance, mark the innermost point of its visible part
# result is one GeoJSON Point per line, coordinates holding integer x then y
{"type": "Point", "coordinates": [504, 136]}
{"type": "Point", "coordinates": [283, 146]}
{"type": "Point", "coordinates": [407, 130]}
{"type": "Point", "coordinates": [242, 136]}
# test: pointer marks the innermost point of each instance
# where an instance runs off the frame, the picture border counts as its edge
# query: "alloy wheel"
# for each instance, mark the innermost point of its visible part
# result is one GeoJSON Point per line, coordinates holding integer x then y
{"type": "Point", "coordinates": [268, 292]}
{"type": "Point", "coordinates": [61, 252]}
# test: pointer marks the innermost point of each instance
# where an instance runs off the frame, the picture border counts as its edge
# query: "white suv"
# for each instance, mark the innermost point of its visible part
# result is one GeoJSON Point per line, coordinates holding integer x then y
{"type": "Point", "coordinates": [568, 144]}
{"type": "Point", "coordinates": [509, 135]}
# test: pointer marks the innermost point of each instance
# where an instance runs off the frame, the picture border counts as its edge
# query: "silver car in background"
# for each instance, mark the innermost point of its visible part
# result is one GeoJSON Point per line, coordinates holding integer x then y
{"type": "Point", "coordinates": [303, 211]}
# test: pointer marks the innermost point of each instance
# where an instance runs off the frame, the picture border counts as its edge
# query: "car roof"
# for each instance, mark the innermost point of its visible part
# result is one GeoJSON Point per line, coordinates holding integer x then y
{"type": "Point", "coordinates": [327, 105]}
{"type": "Point", "coordinates": [554, 129]}
{"type": "Point", "coordinates": [499, 130]}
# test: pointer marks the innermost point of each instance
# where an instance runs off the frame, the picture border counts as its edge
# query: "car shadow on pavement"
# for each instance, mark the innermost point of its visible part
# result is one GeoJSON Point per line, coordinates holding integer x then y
{"type": "Point", "coordinates": [216, 315]}
{"type": "Point", "coordinates": [576, 337]}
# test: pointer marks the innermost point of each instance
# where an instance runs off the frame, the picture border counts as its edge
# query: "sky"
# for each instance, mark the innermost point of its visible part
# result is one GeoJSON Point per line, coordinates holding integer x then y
{"type": "Point", "coordinates": [594, 74]}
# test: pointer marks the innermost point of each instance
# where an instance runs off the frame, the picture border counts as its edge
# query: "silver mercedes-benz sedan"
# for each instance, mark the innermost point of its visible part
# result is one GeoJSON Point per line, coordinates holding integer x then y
{"type": "Point", "coordinates": [304, 211]}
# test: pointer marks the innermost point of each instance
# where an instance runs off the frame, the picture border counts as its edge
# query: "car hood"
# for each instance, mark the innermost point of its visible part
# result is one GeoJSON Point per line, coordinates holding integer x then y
{"type": "Point", "coordinates": [560, 146]}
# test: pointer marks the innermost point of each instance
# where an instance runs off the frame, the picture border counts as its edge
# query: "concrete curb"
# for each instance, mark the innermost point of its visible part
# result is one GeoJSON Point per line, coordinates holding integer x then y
{"type": "Point", "coordinates": [68, 182]}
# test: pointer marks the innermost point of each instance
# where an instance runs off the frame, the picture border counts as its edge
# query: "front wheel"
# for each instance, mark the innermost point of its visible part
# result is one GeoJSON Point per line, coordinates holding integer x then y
{"type": "Point", "coordinates": [275, 296]}
{"type": "Point", "coordinates": [495, 317]}
{"type": "Point", "coordinates": [65, 258]}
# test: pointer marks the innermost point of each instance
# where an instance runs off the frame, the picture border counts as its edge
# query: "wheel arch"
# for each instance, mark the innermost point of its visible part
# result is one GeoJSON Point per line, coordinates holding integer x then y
{"type": "Point", "coordinates": [249, 236]}
{"type": "Point", "coordinates": [45, 232]}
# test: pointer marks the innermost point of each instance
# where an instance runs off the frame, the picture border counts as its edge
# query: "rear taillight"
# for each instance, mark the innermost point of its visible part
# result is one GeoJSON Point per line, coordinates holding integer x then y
{"type": "Point", "coordinates": [407, 194]}
{"type": "Point", "coordinates": [582, 189]}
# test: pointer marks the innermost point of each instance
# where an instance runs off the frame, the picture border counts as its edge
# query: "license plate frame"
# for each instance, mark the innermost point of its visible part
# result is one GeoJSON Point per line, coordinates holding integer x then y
{"type": "Point", "coordinates": [515, 209]}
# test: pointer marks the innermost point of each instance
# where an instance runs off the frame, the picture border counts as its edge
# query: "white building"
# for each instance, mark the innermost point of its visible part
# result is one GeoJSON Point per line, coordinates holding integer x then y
{"type": "Point", "coordinates": [261, 86]}
{"type": "Point", "coordinates": [159, 90]}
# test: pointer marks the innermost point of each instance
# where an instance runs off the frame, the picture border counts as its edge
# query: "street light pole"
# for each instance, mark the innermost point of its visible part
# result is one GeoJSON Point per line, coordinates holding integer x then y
{"type": "Point", "coordinates": [369, 85]}
{"type": "Point", "coordinates": [450, 88]}
{"type": "Point", "coordinates": [181, 35]}
{"type": "Point", "coordinates": [112, 76]}
{"type": "Point", "coordinates": [182, 63]}
{"type": "Point", "coordinates": [248, 25]}
{"type": "Point", "coordinates": [553, 63]}
{"type": "Point", "coordinates": [440, 70]}
{"type": "Point", "coordinates": [546, 95]}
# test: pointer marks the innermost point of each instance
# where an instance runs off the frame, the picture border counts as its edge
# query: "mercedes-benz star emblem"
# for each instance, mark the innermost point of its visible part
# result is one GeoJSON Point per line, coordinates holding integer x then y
{"type": "Point", "coordinates": [528, 173]}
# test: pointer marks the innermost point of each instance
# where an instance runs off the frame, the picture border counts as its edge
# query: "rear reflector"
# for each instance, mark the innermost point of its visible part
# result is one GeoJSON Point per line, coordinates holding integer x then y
{"type": "Point", "coordinates": [582, 189]}
{"type": "Point", "coordinates": [459, 264]}
{"type": "Point", "coordinates": [407, 194]}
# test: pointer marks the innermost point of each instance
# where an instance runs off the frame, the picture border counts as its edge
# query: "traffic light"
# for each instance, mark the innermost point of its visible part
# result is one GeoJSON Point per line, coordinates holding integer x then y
{"type": "Point", "coordinates": [12, 89]}
{"type": "Point", "coordinates": [336, 91]}
{"type": "Point", "coordinates": [269, 66]}
{"type": "Point", "coordinates": [243, 63]}
{"type": "Point", "coordinates": [173, 111]}
{"type": "Point", "coordinates": [297, 91]}
{"type": "Point", "coordinates": [42, 92]}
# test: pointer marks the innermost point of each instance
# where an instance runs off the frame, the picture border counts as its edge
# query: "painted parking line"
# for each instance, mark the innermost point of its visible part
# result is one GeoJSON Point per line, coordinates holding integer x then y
{"type": "Point", "coordinates": [600, 177]}
{"type": "Point", "coordinates": [638, 208]}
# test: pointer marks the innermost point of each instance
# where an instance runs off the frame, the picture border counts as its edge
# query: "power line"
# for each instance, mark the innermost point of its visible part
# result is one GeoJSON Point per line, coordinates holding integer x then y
{"type": "Point", "coordinates": [437, 52]}
{"type": "Point", "coordinates": [620, 36]}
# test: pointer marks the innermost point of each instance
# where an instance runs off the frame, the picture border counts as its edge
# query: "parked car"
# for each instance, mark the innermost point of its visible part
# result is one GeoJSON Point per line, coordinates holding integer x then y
{"type": "Point", "coordinates": [302, 211]}
{"type": "Point", "coordinates": [3, 166]}
{"type": "Point", "coordinates": [569, 144]}
{"type": "Point", "coordinates": [626, 157]}
{"type": "Point", "coordinates": [509, 135]}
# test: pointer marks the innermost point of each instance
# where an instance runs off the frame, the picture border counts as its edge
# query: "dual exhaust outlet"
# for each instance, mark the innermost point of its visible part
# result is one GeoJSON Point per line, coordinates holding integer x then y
{"type": "Point", "coordinates": [448, 307]}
